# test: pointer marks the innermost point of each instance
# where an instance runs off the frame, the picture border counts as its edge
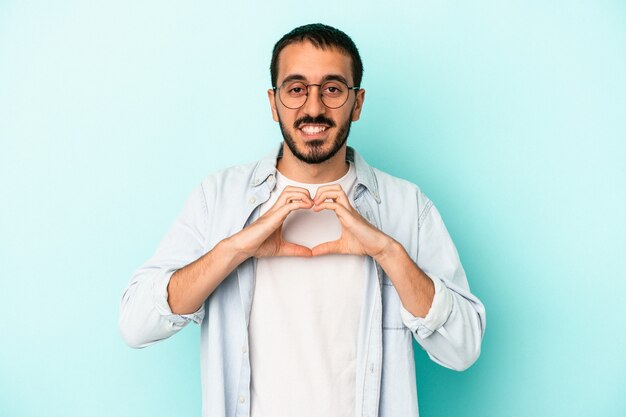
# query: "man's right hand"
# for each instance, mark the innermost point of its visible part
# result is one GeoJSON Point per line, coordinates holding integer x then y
{"type": "Point", "coordinates": [263, 238]}
{"type": "Point", "coordinates": [190, 286]}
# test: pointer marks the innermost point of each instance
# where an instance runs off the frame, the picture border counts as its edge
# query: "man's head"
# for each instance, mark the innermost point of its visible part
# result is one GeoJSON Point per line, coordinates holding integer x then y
{"type": "Point", "coordinates": [326, 60]}
{"type": "Point", "coordinates": [322, 37]}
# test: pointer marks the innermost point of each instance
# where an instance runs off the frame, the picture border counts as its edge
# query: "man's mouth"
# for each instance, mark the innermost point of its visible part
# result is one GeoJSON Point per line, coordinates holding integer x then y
{"type": "Point", "coordinates": [313, 129]}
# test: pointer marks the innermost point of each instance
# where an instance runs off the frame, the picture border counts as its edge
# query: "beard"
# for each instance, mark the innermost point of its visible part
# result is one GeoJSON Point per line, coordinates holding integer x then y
{"type": "Point", "coordinates": [314, 152]}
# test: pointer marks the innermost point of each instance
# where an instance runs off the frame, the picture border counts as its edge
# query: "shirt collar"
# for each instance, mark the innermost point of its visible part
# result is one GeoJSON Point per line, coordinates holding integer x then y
{"type": "Point", "coordinates": [364, 173]}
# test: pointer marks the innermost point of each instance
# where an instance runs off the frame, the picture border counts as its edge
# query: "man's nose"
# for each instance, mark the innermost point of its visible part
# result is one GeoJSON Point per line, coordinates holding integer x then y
{"type": "Point", "coordinates": [314, 105]}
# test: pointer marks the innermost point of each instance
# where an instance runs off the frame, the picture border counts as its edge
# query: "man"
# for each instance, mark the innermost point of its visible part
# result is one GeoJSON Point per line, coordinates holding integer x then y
{"type": "Point", "coordinates": [309, 271]}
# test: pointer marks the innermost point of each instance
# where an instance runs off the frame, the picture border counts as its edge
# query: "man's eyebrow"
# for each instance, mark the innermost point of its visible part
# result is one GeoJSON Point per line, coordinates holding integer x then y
{"type": "Point", "coordinates": [294, 77]}
{"type": "Point", "coordinates": [329, 77]}
{"type": "Point", "coordinates": [335, 77]}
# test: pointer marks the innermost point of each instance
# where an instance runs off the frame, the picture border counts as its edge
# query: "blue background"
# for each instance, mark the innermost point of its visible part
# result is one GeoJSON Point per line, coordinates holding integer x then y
{"type": "Point", "coordinates": [511, 116]}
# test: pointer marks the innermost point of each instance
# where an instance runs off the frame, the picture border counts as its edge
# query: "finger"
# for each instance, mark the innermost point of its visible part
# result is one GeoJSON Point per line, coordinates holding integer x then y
{"type": "Point", "coordinates": [294, 188]}
{"type": "Point", "coordinates": [275, 217]}
{"type": "Point", "coordinates": [339, 209]}
{"type": "Point", "coordinates": [292, 200]}
{"type": "Point", "coordinates": [294, 194]}
{"type": "Point", "coordinates": [291, 249]}
{"type": "Point", "coordinates": [331, 187]}
{"type": "Point", "coordinates": [324, 188]}
{"type": "Point", "coordinates": [283, 212]}
{"type": "Point", "coordinates": [326, 248]}
{"type": "Point", "coordinates": [335, 195]}
{"type": "Point", "coordinates": [291, 188]}
{"type": "Point", "coordinates": [287, 197]}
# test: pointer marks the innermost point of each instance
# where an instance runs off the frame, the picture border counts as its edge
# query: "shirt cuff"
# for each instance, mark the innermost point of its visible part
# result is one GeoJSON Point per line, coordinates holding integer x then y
{"type": "Point", "coordinates": [437, 315]}
{"type": "Point", "coordinates": [160, 284]}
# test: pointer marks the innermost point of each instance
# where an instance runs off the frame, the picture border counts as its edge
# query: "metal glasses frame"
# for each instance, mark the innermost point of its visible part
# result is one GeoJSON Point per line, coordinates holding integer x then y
{"type": "Point", "coordinates": [276, 89]}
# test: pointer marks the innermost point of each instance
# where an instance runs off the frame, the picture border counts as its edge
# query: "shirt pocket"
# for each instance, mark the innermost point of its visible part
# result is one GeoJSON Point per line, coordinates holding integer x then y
{"type": "Point", "coordinates": [391, 307]}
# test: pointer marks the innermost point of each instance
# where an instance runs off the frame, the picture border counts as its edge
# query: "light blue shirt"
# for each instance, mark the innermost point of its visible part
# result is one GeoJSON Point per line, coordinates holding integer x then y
{"type": "Point", "coordinates": [223, 204]}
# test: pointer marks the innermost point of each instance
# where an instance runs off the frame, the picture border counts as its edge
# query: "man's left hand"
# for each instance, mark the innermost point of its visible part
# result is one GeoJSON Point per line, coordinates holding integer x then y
{"type": "Point", "coordinates": [358, 236]}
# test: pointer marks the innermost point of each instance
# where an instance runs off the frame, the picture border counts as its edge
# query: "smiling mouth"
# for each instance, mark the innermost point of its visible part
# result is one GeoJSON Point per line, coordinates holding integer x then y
{"type": "Point", "coordinates": [311, 129]}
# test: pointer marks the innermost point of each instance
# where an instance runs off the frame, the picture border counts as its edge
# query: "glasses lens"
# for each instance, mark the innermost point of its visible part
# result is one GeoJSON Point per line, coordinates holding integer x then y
{"type": "Point", "coordinates": [293, 94]}
{"type": "Point", "coordinates": [334, 94]}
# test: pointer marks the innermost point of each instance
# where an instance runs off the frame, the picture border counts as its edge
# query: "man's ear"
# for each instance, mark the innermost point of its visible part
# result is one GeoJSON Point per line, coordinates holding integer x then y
{"type": "Point", "coordinates": [271, 95]}
{"type": "Point", "coordinates": [358, 105]}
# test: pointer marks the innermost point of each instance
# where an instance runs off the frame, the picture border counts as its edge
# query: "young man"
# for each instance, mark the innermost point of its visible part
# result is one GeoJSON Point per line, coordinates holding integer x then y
{"type": "Point", "coordinates": [309, 271]}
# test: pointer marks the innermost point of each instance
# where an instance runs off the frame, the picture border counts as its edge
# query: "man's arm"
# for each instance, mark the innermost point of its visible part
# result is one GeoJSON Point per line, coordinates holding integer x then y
{"type": "Point", "coordinates": [190, 286]}
{"type": "Point", "coordinates": [416, 289]}
{"type": "Point", "coordinates": [444, 317]}
{"type": "Point", "coordinates": [453, 330]}
{"type": "Point", "coordinates": [170, 289]}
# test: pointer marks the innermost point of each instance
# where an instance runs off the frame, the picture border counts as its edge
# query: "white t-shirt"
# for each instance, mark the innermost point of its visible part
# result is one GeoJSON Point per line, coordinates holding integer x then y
{"type": "Point", "coordinates": [304, 319]}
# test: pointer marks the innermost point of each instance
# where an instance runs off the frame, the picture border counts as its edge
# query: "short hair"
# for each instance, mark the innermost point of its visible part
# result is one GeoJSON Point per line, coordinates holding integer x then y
{"type": "Point", "coordinates": [323, 37]}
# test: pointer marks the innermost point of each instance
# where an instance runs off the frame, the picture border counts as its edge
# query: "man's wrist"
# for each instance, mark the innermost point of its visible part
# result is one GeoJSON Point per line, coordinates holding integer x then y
{"type": "Point", "coordinates": [233, 251]}
{"type": "Point", "coordinates": [390, 250]}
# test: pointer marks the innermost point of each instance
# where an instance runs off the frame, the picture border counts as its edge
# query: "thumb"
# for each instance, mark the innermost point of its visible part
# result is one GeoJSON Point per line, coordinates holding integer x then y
{"type": "Point", "coordinates": [291, 249]}
{"type": "Point", "coordinates": [326, 248]}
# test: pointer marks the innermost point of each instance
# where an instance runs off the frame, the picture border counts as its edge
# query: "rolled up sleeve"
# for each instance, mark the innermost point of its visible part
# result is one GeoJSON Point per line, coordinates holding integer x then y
{"type": "Point", "coordinates": [437, 315]}
{"type": "Point", "coordinates": [452, 331]}
{"type": "Point", "coordinates": [159, 292]}
{"type": "Point", "coordinates": [145, 315]}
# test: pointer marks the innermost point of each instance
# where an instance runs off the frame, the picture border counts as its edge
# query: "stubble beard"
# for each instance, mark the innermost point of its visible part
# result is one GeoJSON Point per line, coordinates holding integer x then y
{"type": "Point", "coordinates": [314, 153]}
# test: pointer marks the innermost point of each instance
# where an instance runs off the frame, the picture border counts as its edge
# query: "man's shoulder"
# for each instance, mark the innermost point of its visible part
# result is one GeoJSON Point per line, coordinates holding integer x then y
{"type": "Point", "coordinates": [399, 192]}
{"type": "Point", "coordinates": [233, 170]}
{"type": "Point", "coordinates": [381, 179]}
{"type": "Point", "coordinates": [232, 176]}
{"type": "Point", "coordinates": [386, 179]}
{"type": "Point", "coordinates": [389, 183]}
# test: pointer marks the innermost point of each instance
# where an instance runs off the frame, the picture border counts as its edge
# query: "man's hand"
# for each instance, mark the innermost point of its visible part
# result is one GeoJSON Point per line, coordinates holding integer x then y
{"type": "Point", "coordinates": [190, 286]}
{"type": "Point", "coordinates": [358, 236]}
{"type": "Point", "coordinates": [263, 238]}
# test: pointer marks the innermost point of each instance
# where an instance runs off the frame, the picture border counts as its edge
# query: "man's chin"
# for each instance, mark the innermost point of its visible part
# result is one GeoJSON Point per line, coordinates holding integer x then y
{"type": "Point", "coordinates": [314, 145]}
{"type": "Point", "coordinates": [312, 152]}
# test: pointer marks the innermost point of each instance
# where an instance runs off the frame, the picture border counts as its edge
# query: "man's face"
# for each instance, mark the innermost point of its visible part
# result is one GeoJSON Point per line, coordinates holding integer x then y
{"type": "Point", "coordinates": [315, 133]}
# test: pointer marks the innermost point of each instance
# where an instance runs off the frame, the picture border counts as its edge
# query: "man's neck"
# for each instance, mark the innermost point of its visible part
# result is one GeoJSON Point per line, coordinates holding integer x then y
{"type": "Point", "coordinates": [328, 171]}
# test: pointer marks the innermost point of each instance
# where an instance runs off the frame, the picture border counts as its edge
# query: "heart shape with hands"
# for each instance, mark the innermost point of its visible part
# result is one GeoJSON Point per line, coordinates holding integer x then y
{"type": "Point", "coordinates": [264, 237]}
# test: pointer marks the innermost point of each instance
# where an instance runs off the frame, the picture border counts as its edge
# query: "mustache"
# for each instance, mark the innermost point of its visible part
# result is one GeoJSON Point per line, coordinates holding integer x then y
{"type": "Point", "coordinates": [313, 120]}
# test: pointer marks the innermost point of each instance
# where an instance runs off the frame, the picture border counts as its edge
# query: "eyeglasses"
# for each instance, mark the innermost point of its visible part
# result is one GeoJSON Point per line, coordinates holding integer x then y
{"type": "Point", "coordinates": [334, 94]}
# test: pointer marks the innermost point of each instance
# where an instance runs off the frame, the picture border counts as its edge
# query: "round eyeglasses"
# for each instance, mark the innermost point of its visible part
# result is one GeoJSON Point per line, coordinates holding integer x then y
{"type": "Point", "coordinates": [334, 93]}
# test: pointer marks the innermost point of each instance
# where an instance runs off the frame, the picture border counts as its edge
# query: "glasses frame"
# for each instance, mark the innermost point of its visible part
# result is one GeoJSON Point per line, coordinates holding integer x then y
{"type": "Point", "coordinates": [277, 90]}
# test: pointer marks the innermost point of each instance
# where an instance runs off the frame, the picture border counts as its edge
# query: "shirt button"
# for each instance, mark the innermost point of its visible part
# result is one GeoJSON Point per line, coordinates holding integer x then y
{"type": "Point", "coordinates": [244, 349]}
{"type": "Point", "coordinates": [252, 200]}
{"type": "Point", "coordinates": [242, 399]}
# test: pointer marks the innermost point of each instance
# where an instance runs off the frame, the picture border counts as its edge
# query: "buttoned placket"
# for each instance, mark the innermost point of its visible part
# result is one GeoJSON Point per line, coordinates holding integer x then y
{"type": "Point", "coordinates": [362, 201]}
{"type": "Point", "coordinates": [258, 194]}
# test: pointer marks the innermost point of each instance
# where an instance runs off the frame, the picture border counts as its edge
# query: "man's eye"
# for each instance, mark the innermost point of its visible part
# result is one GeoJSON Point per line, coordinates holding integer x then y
{"type": "Point", "coordinates": [296, 91]}
{"type": "Point", "coordinates": [332, 90]}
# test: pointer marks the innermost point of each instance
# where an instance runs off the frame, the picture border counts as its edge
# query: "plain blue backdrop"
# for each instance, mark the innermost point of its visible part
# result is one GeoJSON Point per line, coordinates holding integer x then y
{"type": "Point", "coordinates": [510, 115]}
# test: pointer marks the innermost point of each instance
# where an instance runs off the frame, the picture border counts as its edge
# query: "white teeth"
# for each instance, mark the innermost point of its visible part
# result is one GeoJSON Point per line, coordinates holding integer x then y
{"type": "Point", "coordinates": [310, 130]}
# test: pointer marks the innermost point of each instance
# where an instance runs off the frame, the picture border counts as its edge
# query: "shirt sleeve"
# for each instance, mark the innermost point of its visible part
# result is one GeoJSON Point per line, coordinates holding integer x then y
{"type": "Point", "coordinates": [452, 331]}
{"type": "Point", "coordinates": [437, 315]}
{"type": "Point", "coordinates": [145, 315]}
